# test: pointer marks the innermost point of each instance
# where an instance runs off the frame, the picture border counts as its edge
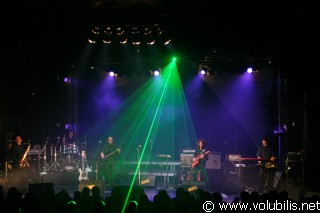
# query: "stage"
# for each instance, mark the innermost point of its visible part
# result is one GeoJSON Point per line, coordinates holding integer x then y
{"type": "Point", "coordinates": [229, 186]}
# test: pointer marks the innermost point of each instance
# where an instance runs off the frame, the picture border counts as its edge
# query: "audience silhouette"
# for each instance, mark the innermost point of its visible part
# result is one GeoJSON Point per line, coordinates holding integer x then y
{"type": "Point", "coordinates": [92, 201]}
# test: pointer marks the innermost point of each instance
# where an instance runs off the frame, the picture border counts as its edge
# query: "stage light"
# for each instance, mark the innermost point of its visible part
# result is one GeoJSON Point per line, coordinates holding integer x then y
{"type": "Point", "coordinates": [66, 80]}
{"type": "Point", "coordinates": [94, 35]}
{"type": "Point", "coordinates": [149, 36]}
{"type": "Point", "coordinates": [129, 34]}
{"type": "Point", "coordinates": [136, 40]}
{"type": "Point", "coordinates": [111, 74]}
{"type": "Point", "coordinates": [202, 72]}
{"type": "Point", "coordinates": [66, 126]}
{"type": "Point", "coordinates": [107, 33]}
{"type": "Point", "coordinates": [155, 72]}
{"type": "Point", "coordinates": [121, 33]}
{"type": "Point", "coordinates": [167, 41]}
{"type": "Point", "coordinates": [249, 70]}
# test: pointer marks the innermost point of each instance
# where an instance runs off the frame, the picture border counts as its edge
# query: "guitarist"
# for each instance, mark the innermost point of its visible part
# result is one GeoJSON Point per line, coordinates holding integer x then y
{"type": "Point", "coordinates": [109, 155]}
{"type": "Point", "coordinates": [268, 156]}
{"type": "Point", "coordinates": [200, 158]}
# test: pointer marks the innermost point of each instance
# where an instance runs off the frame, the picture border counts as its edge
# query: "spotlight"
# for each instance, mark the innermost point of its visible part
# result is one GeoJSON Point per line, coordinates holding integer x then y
{"type": "Point", "coordinates": [107, 35]}
{"type": "Point", "coordinates": [66, 126]}
{"type": "Point", "coordinates": [66, 80]}
{"type": "Point", "coordinates": [111, 74]}
{"type": "Point", "coordinates": [278, 132]}
{"type": "Point", "coordinates": [167, 41]}
{"type": "Point", "coordinates": [95, 31]}
{"type": "Point", "coordinates": [249, 70]}
{"type": "Point", "coordinates": [204, 70]}
{"type": "Point", "coordinates": [135, 35]}
{"type": "Point", "coordinates": [155, 72]}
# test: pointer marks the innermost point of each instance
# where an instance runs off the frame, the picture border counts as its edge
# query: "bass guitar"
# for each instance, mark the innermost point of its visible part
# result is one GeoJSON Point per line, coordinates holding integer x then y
{"type": "Point", "coordinates": [83, 172]}
{"type": "Point", "coordinates": [196, 161]}
{"type": "Point", "coordinates": [107, 157]}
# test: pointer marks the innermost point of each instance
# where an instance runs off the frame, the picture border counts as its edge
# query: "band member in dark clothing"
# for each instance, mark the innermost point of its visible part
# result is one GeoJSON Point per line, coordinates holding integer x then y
{"type": "Point", "coordinates": [69, 138]}
{"type": "Point", "coordinates": [20, 163]}
{"type": "Point", "coordinates": [109, 156]}
{"type": "Point", "coordinates": [200, 158]}
{"type": "Point", "coordinates": [267, 165]}
{"type": "Point", "coordinates": [7, 154]}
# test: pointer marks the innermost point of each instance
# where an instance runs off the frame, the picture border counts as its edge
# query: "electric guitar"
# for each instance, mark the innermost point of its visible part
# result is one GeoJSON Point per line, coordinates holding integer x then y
{"type": "Point", "coordinates": [111, 153]}
{"type": "Point", "coordinates": [196, 161]}
{"type": "Point", "coordinates": [83, 172]}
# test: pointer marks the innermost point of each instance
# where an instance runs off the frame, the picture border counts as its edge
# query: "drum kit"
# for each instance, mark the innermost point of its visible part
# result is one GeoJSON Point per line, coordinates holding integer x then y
{"type": "Point", "coordinates": [66, 157]}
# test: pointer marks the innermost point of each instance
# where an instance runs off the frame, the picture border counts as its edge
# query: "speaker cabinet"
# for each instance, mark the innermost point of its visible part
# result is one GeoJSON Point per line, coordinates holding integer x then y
{"type": "Point", "coordinates": [192, 186]}
{"type": "Point", "coordinates": [146, 180]}
{"type": "Point", "coordinates": [91, 184]}
{"type": "Point", "coordinates": [214, 161]}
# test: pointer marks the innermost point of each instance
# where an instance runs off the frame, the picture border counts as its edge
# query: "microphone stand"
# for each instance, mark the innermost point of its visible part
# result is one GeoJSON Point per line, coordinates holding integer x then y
{"type": "Point", "coordinates": [55, 162]}
{"type": "Point", "coordinates": [139, 174]}
{"type": "Point", "coordinates": [45, 165]}
{"type": "Point", "coordinates": [97, 157]}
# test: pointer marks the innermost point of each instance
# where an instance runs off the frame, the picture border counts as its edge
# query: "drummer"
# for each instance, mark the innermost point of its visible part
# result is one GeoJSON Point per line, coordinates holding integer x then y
{"type": "Point", "coordinates": [69, 138]}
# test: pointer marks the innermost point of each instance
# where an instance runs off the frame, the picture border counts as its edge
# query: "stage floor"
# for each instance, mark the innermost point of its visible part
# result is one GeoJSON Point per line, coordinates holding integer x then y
{"type": "Point", "coordinates": [150, 191]}
{"type": "Point", "coordinates": [229, 188]}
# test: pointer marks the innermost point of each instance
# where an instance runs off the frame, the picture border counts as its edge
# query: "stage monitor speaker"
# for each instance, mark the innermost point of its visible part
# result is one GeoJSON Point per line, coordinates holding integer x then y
{"type": "Point", "coordinates": [39, 188]}
{"type": "Point", "coordinates": [146, 180]}
{"type": "Point", "coordinates": [214, 161]}
{"type": "Point", "coordinates": [192, 186]}
{"type": "Point", "coordinates": [91, 184]}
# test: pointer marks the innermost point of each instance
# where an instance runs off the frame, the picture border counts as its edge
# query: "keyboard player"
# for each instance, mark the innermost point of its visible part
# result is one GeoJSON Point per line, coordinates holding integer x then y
{"type": "Point", "coordinates": [266, 173]}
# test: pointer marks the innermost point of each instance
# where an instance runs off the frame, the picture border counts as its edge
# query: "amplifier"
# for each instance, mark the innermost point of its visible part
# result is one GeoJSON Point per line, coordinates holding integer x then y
{"type": "Point", "coordinates": [192, 186]}
{"type": "Point", "coordinates": [214, 161]}
{"type": "Point", "coordinates": [189, 151]}
{"type": "Point", "coordinates": [186, 159]}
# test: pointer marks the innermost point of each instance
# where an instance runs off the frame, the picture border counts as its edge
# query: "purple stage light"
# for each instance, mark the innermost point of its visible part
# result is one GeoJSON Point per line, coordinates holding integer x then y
{"type": "Point", "coordinates": [66, 80]}
{"type": "Point", "coordinates": [111, 73]}
{"type": "Point", "coordinates": [202, 72]}
{"type": "Point", "coordinates": [249, 70]}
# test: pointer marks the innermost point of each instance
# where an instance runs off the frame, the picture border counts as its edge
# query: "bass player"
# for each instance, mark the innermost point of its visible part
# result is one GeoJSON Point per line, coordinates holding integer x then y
{"type": "Point", "coordinates": [199, 160]}
{"type": "Point", "coordinates": [109, 157]}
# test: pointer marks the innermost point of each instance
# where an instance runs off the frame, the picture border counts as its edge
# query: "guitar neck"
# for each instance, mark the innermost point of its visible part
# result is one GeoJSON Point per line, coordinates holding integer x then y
{"type": "Point", "coordinates": [111, 153]}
